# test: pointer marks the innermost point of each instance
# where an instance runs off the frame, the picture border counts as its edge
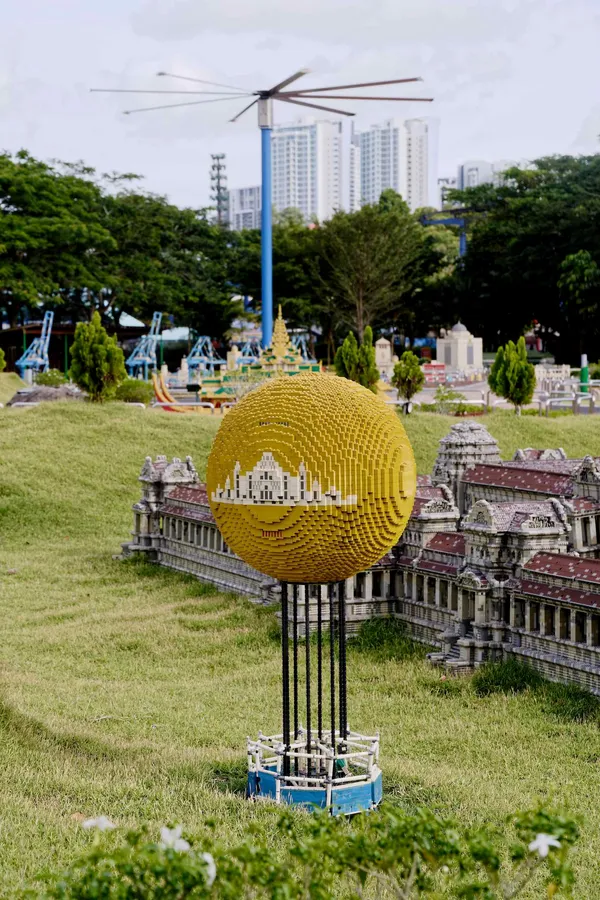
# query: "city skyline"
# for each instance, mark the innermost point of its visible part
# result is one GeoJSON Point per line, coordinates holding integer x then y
{"type": "Point", "coordinates": [510, 80]}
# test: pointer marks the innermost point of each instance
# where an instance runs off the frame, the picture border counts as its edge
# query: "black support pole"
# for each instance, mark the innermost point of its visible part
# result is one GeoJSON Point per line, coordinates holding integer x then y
{"type": "Point", "coordinates": [331, 590]}
{"type": "Point", "coordinates": [295, 662]}
{"type": "Point", "coordinates": [285, 667]}
{"type": "Point", "coordinates": [320, 665]}
{"type": "Point", "coordinates": [307, 647]}
{"type": "Point", "coordinates": [342, 665]}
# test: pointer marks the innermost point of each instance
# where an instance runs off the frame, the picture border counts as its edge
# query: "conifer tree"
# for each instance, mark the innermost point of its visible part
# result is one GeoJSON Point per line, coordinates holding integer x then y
{"type": "Point", "coordinates": [512, 376]}
{"type": "Point", "coordinates": [98, 364]}
{"type": "Point", "coordinates": [358, 363]}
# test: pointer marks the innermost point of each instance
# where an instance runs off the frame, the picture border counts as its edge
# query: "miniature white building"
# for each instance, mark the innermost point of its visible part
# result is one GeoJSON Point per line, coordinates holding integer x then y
{"type": "Point", "coordinates": [268, 483]}
{"type": "Point", "coordinates": [384, 358]}
{"type": "Point", "coordinates": [459, 350]}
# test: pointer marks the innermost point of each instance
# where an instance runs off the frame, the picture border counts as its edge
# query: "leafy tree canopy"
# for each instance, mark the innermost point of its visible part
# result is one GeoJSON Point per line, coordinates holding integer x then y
{"type": "Point", "coordinates": [524, 261]}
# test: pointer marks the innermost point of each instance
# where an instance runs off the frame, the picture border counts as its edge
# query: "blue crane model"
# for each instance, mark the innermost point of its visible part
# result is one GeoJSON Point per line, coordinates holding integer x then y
{"type": "Point", "coordinates": [36, 355]}
{"type": "Point", "coordinates": [143, 356]}
{"type": "Point", "coordinates": [452, 217]}
{"type": "Point", "coordinates": [203, 357]}
{"type": "Point", "coordinates": [250, 353]}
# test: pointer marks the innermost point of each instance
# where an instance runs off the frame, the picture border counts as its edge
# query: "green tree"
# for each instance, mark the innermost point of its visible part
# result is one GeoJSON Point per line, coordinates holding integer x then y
{"type": "Point", "coordinates": [408, 376]}
{"type": "Point", "coordinates": [367, 261]}
{"type": "Point", "coordinates": [294, 283]}
{"type": "Point", "coordinates": [512, 376]}
{"type": "Point", "coordinates": [98, 365]}
{"type": "Point", "coordinates": [50, 233]}
{"type": "Point", "coordinates": [358, 363]}
{"type": "Point", "coordinates": [579, 284]}
{"type": "Point", "coordinates": [2, 360]}
{"type": "Point", "coordinates": [520, 234]}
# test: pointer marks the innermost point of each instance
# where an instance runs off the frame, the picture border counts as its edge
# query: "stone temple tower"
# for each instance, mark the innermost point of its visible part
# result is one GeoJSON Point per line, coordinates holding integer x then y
{"type": "Point", "coordinates": [467, 445]}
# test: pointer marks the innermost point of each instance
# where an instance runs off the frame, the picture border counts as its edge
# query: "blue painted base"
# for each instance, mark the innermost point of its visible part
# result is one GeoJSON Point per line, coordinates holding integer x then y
{"type": "Point", "coordinates": [346, 799]}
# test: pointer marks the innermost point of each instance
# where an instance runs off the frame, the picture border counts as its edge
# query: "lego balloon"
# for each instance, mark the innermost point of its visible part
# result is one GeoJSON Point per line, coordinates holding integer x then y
{"type": "Point", "coordinates": [311, 478]}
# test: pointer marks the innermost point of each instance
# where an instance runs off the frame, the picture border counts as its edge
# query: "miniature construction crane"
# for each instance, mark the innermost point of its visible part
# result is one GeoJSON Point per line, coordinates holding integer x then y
{"type": "Point", "coordinates": [35, 356]}
{"type": "Point", "coordinates": [143, 356]}
{"type": "Point", "coordinates": [300, 342]}
{"type": "Point", "coordinates": [250, 353]}
{"type": "Point", "coordinates": [203, 357]}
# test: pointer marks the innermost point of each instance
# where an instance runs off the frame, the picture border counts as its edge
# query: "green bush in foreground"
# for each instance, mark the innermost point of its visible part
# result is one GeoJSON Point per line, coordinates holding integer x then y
{"type": "Point", "coordinates": [132, 390]}
{"type": "Point", "coordinates": [388, 853]}
{"type": "Point", "coordinates": [51, 378]}
{"type": "Point", "coordinates": [2, 360]}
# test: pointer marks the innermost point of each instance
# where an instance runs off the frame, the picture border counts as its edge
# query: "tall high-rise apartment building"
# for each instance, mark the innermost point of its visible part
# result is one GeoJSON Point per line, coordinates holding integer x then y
{"type": "Point", "coordinates": [450, 183]}
{"type": "Point", "coordinates": [477, 171]}
{"type": "Point", "coordinates": [397, 154]}
{"type": "Point", "coordinates": [244, 208]}
{"type": "Point", "coordinates": [307, 168]}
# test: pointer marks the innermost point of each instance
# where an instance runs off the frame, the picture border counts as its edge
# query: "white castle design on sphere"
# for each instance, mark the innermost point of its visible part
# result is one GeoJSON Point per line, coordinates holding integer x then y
{"type": "Point", "coordinates": [267, 483]}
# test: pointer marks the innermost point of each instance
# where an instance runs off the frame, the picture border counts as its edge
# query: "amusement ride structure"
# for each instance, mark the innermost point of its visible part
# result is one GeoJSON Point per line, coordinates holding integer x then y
{"type": "Point", "coordinates": [264, 100]}
{"type": "Point", "coordinates": [35, 357]}
{"type": "Point", "coordinates": [143, 357]}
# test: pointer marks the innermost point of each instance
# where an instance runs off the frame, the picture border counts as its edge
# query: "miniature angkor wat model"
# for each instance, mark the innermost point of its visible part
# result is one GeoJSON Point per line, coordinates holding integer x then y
{"type": "Point", "coordinates": [499, 557]}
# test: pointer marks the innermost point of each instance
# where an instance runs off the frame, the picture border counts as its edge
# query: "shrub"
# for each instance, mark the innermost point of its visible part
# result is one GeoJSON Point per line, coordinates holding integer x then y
{"type": "Point", "coordinates": [132, 390]}
{"type": "Point", "coordinates": [570, 702]}
{"type": "Point", "coordinates": [51, 378]}
{"type": "Point", "coordinates": [509, 677]}
{"type": "Point", "coordinates": [387, 639]}
{"type": "Point", "coordinates": [2, 360]}
{"type": "Point", "coordinates": [358, 363]}
{"type": "Point", "coordinates": [389, 852]}
{"type": "Point", "coordinates": [445, 400]}
{"type": "Point", "coordinates": [512, 376]}
{"type": "Point", "coordinates": [98, 364]}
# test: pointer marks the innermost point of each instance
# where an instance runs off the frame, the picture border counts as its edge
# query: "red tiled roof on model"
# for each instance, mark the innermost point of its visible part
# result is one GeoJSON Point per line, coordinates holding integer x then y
{"type": "Point", "coordinates": [559, 592]}
{"type": "Point", "coordinates": [562, 565]}
{"type": "Point", "coordinates": [423, 481]}
{"type": "Point", "coordinates": [520, 479]}
{"type": "Point", "coordinates": [559, 466]}
{"type": "Point", "coordinates": [196, 493]}
{"type": "Point", "coordinates": [447, 542]}
{"type": "Point", "coordinates": [585, 504]}
{"type": "Point", "coordinates": [512, 516]}
{"type": "Point", "coordinates": [198, 514]}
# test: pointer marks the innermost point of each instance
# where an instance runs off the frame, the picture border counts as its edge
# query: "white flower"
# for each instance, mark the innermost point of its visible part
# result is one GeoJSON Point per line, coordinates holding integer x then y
{"type": "Point", "coordinates": [101, 823]}
{"type": "Point", "coordinates": [542, 844]}
{"type": "Point", "coordinates": [171, 839]}
{"type": "Point", "coordinates": [211, 868]}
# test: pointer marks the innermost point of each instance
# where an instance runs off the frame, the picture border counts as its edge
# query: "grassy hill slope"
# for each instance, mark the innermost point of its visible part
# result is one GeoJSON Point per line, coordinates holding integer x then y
{"type": "Point", "coordinates": [127, 690]}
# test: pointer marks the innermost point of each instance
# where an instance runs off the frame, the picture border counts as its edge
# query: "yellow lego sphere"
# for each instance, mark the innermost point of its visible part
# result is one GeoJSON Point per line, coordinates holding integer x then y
{"type": "Point", "coordinates": [311, 478]}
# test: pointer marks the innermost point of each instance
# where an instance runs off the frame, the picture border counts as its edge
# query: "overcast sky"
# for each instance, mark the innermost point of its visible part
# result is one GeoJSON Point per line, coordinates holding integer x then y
{"type": "Point", "coordinates": [511, 79]}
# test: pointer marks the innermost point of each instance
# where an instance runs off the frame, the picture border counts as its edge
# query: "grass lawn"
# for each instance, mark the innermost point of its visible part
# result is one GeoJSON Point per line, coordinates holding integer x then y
{"type": "Point", "coordinates": [9, 385]}
{"type": "Point", "coordinates": [128, 690]}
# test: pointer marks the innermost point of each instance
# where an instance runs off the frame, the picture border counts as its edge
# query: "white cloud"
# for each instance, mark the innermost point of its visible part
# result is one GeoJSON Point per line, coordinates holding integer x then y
{"type": "Point", "coordinates": [338, 21]}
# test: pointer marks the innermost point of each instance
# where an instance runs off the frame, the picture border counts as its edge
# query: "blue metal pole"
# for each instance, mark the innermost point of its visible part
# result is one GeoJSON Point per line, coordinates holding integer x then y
{"type": "Point", "coordinates": [462, 247]}
{"type": "Point", "coordinates": [266, 239]}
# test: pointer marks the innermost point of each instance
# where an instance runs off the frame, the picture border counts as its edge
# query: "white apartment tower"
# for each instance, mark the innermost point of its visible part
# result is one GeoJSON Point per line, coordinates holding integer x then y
{"type": "Point", "coordinates": [307, 168]}
{"type": "Point", "coordinates": [244, 208]}
{"type": "Point", "coordinates": [397, 154]}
